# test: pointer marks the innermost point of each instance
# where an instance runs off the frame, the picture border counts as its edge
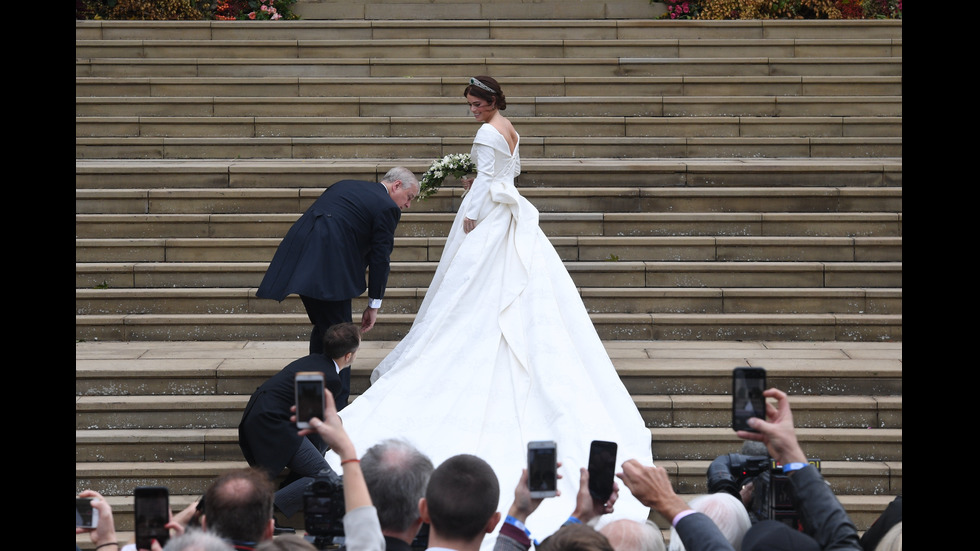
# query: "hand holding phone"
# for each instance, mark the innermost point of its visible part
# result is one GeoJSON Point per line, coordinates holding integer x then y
{"type": "Point", "coordinates": [748, 384]}
{"type": "Point", "coordinates": [151, 515]}
{"type": "Point", "coordinates": [542, 469]}
{"type": "Point", "coordinates": [602, 469]}
{"type": "Point", "coordinates": [309, 397]}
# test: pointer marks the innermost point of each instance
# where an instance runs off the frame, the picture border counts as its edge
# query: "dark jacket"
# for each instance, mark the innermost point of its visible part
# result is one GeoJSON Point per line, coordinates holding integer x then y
{"type": "Point", "coordinates": [324, 255]}
{"type": "Point", "coordinates": [266, 436]}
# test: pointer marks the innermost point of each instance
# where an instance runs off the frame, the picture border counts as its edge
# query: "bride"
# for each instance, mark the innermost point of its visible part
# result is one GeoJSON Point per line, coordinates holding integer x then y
{"type": "Point", "coordinates": [502, 351]}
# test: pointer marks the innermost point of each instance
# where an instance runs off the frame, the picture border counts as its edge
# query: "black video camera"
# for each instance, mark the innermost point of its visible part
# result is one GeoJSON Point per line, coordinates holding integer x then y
{"type": "Point", "coordinates": [772, 494]}
{"type": "Point", "coordinates": [323, 510]}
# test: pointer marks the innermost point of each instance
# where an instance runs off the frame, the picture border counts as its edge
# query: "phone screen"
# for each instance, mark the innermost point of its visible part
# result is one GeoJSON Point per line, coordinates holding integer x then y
{"type": "Point", "coordinates": [85, 515]}
{"type": "Point", "coordinates": [602, 469]}
{"type": "Point", "coordinates": [309, 400]}
{"type": "Point", "coordinates": [748, 383]}
{"type": "Point", "coordinates": [542, 469]}
{"type": "Point", "coordinates": [152, 513]}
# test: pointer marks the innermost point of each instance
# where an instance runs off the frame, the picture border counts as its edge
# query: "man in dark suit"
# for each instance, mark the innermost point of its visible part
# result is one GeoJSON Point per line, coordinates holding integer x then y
{"type": "Point", "coordinates": [350, 229]}
{"type": "Point", "coordinates": [267, 437]}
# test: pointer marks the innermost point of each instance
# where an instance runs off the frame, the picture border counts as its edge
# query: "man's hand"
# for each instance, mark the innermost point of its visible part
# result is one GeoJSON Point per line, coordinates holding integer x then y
{"type": "Point", "coordinates": [468, 225]}
{"type": "Point", "coordinates": [651, 486]}
{"type": "Point", "coordinates": [778, 433]}
{"type": "Point", "coordinates": [368, 318]}
{"type": "Point", "coordinates": [587, 508]}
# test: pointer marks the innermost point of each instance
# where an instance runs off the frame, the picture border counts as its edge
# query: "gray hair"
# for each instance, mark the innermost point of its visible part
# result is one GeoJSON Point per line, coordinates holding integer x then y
{"type": "Point", "coordinates": [198, 540]}
{"type": "Point", "coordinates": [397, 475]}
{"type": "Point", "coordinates": [626, 534]}
{"type": "Point", "coordinates": [404, 175]}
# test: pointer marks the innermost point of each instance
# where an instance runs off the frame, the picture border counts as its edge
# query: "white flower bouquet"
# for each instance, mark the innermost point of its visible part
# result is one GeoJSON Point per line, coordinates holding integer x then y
{"type": "Point", "coordinates": [456, 165]}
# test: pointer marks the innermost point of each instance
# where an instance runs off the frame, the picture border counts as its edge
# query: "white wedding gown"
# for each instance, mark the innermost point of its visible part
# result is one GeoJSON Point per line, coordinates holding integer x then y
{"type": "Point", "coordinates": [502, 353]}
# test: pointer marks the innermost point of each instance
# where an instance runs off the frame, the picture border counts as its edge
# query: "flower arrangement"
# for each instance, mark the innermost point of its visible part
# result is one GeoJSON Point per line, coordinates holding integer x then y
{"type": "Point", "coordinates": [781, 9]}
{"type": "Point", "coordinates": [259, 10]}
{"type": "Point", "coordinates": [456, 165]}
{"type": "Point", "coordinates": [221, 10]}
{"type": "Point", "coordinates": [680, 9]}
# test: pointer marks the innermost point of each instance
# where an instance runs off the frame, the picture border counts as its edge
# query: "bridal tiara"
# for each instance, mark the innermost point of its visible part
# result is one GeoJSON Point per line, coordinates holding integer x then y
{"type": "Point", "coordinates": [476, 82]}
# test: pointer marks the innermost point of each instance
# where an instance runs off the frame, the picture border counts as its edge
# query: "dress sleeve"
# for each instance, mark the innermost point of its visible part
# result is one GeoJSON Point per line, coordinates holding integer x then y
{"type": "Point", "coordinates": [483, 157]}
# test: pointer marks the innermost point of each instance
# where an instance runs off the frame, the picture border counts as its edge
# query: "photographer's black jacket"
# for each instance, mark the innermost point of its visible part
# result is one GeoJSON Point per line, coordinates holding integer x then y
{"type": "Point", "coordinates": [266, 436]}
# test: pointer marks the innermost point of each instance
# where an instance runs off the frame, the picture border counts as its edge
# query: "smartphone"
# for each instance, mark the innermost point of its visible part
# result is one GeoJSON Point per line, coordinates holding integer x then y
{"type": "Point", "coordinates": [542, 468]}
{"type": "Point", "coordinates": [151, 515]}
{"type": "Point", "coordinates": [602, 469]}
{"type": "Point", "coordinates": [309, 397]}
{"type": "Point", "coordinates": [86, 516]}
{"type": "Point", "coordinates": [748, 383]}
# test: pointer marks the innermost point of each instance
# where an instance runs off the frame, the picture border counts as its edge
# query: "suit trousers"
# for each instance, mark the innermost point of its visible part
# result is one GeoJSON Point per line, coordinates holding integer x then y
{"type": "Point", "coordinates": [323, 314]}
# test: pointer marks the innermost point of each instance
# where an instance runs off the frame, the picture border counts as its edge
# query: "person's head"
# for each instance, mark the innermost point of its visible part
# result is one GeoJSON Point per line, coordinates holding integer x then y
{"type": "Point", "coordinates": [397, 475]}
{"type": "Point", "coordinates": [402, 186]}
{"type": "Point", "coordinates": [485, 97]}
{"type": "Point", "coordinates": [286, 542]}
{"type": "Point", "coordinates": [576, 537]}
{"type": "Point", "coordinates": [460, 502]}
{"type": "Point", "coordinates": [728, 514]}
{"type": "Point", "coordinates": [631, 535]}
{"type": "Point", "coordinates": [341, 341]}
{"type": "Point", "coordinates": [198, 540]}
{"type": "Point", "coordinates": [892, 540]}
{"type": "Point", "coordinates": [238, 506]}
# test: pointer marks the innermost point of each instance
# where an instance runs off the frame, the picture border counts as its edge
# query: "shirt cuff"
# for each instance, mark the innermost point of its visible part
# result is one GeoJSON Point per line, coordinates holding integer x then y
{"type": "Point", "coordinates": [374, 303]}
{"type": "Point", "coordinates": [681, 515]}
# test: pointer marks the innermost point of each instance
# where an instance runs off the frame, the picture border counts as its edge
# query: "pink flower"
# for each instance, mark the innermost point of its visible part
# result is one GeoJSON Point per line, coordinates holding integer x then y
{"type": "Point", "coordinates": [686, 8]}
{"type": "Point", "coordinates": [251, 15]}
{"type": "Point", "coordinates": [264, 8]}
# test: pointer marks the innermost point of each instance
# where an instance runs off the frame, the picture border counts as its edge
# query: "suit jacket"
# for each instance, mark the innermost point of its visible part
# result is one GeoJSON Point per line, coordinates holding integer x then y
{"type": "Point", "coordinates": [349, 229]}
{"type": "Point", "coordinates": [265, 434]}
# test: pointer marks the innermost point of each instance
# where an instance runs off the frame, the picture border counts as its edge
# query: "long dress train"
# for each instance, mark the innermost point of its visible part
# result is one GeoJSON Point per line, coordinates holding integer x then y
{"type": "Point", "coordinates": [503, 352]}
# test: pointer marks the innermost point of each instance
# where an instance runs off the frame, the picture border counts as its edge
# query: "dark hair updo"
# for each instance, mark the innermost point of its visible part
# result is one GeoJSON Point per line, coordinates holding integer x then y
{"type": "Point", "coordinates": [497, 98]}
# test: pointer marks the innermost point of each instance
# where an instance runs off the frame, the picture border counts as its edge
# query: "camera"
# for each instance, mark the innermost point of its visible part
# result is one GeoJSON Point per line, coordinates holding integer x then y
{"type": "Point", "coordinates": [323, 510]}
{"type": "Point", "coordinates": [772, 493]}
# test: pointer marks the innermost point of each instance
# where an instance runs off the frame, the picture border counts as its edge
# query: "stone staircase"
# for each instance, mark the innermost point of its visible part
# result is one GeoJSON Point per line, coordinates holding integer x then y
{"type": "Point", "coordinates": [723, 193]}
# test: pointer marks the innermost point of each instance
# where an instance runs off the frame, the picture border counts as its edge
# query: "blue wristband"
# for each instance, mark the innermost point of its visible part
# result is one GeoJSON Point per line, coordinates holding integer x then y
{"type": "Point", "coordinates": [793, 467]}
{"type": "Point", "coordinates": [573, 520]}
{"type": "Point", "coordinates": [513, 521]}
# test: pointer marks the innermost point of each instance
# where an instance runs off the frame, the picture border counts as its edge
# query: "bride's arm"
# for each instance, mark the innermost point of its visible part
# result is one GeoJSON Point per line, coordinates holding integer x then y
{"type": "Point", "coordinates": [482, 157]}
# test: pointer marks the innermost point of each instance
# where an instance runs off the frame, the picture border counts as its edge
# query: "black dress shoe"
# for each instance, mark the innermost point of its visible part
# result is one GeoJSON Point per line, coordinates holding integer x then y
{"type": "Point", "coordinates": [276, 530]}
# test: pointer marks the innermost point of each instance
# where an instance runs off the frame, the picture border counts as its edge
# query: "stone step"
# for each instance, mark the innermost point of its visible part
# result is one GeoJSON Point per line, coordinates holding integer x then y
{"type": "Point", "coordinates": [520, 90]}
{"type": "Point", "coordinates": [221, 444]}
{"type": "Point", "coordinates": [433, 216]}
{"type": "Point", "coordinates": [647, 367]}
{"type": "Point", "coordinates": [571, 249]}
{"type": "Point", "coordinates": [603, 273]}
{"type": "Point", "coordinates": [640, 326]}
{"type": "Point", "coordinates": [455, 24]}
{"type": "Point", "coordinates": [555, 206]}
{"type": "Point", "coordinates": [609, 66]}
{"type": "Point", "coordinates": [207, 411]}
{"type": "Point", "coordinates": [558, 147]}
{"type": "Point", "coordinates": [745, 121]}
{"type": "Point", "coordinates": [834, 175]}
{"type": "Point", "coordinates": [164, 301]}
{"type": "Point", "coordinates": [534, 115]}
{"type": "Point", "coordinates": [332, 47]}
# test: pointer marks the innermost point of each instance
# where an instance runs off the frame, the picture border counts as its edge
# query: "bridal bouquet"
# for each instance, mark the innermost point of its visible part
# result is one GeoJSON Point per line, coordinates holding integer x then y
{"type": "Point", "coordinates": [456, 165]}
